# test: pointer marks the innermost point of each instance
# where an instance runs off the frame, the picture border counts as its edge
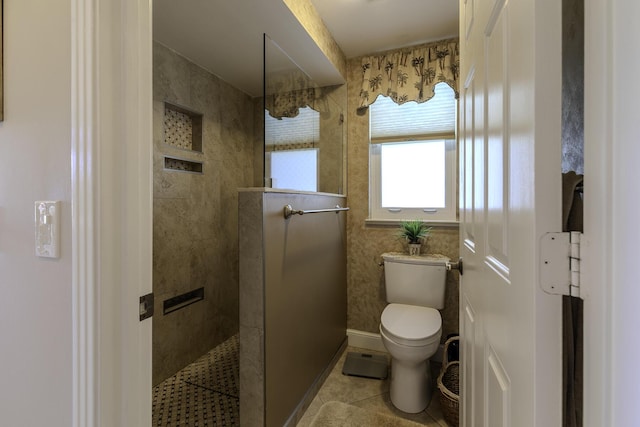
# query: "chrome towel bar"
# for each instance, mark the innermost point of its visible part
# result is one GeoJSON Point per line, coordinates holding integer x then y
{"type": "Point", "coordinates": [289, 211]}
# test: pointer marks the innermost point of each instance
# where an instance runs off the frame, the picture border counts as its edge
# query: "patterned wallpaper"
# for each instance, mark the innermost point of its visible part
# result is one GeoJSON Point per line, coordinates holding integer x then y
{"type": "Point", "coordinates": [365, 243]}
{"type": "Point", "coordinates": [308, 16]}
{"type": "Point", "coordinates": [573, 86]}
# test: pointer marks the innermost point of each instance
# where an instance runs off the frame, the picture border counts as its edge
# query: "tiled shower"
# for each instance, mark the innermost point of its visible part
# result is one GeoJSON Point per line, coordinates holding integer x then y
{"type": "Point", "coordinates": [208, 143]}
{"type": "Point", "coordinates": [203, 150]}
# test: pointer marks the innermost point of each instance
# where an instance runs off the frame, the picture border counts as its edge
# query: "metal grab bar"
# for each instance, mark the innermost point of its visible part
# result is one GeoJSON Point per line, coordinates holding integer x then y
{"type": "Point", "coordinates": [289, 211]}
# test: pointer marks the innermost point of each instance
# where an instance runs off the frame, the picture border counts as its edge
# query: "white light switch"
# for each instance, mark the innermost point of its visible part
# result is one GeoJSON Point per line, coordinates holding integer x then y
{"type": "Point", "coordinates": [47, 228]}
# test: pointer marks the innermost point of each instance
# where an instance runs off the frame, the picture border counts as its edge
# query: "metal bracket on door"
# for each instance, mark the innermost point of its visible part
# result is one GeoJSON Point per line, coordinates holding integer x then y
{"type": "Point", "coordinates": [455, 266]}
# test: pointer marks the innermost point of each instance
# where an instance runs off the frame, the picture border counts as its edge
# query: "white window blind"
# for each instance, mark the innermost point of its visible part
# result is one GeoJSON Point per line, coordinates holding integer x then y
{"type": "Point", "coordinates": [435, 118]}
{"type": "Point", "coordinates": [301, 129]}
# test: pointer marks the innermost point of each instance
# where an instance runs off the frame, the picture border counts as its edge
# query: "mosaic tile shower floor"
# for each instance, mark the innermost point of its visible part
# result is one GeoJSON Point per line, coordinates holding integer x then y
{"type": "Point", "coordinates": [205, 393]}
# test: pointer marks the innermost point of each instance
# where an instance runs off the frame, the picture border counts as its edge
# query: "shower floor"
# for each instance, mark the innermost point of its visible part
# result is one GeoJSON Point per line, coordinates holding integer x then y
{"type": "Point", "coordinates": [205, 393]}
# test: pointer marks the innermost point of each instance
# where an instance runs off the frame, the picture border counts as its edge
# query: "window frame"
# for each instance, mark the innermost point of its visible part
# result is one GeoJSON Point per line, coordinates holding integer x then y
{"type": "Point", "coordinates": [448, 214]}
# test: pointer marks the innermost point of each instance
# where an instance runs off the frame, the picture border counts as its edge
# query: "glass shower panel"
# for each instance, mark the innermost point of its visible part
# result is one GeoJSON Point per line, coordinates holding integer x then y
{"type": "Point", "coordinates": [303, 128]}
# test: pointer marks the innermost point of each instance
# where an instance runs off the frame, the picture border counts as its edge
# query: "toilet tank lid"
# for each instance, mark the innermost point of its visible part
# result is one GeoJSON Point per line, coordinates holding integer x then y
{"type": "Point", "coordinates": [426, 259]}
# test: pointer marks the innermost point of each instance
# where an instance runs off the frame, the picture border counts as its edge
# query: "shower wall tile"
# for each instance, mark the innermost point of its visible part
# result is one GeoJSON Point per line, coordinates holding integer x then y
{"type": "Point", "coordinates": [170, 184]}
{"type": "Point", "coordinates": [195, 231]}
{"type": "Point", "coordinates": [203, 83]}
{"type": "Point", "coordinates": [251, 376]}
{"type": "Point", "coordinates": [171, 73]}
{"type": "Point", "coordinates": [250, 208]}
{"type": "Point", "coordinates": [365, 244]}
{"type": "Point", "coordinates": [252, 294]}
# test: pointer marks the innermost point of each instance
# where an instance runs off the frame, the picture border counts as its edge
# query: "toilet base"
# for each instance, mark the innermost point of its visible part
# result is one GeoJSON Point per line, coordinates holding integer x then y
{"type": "Point", "coordinates": [411, 389]}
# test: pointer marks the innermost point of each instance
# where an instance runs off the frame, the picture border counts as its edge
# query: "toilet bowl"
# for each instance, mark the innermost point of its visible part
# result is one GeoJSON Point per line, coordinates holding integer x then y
{"type": "Point", "coordinates": [411, 334]}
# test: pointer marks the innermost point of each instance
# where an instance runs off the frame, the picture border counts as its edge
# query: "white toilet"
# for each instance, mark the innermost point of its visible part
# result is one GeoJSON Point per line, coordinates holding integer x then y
{"type": "Point", "coordinates": [411, 325]}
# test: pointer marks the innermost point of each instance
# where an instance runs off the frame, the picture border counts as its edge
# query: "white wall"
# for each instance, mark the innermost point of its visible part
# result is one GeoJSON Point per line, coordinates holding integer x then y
{"type": "Point", "coordinates": [625, 289]}
{"type": "Point", "coordinates": [35, 293]}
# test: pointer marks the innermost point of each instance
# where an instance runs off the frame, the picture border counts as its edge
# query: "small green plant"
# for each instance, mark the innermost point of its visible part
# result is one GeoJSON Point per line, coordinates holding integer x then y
{"type": "Point", "coordinates": [413, 231]}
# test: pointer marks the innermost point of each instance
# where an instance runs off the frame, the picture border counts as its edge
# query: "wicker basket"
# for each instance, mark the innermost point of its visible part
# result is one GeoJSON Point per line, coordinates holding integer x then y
{"type": "Point", "coordinates": [449, 387]}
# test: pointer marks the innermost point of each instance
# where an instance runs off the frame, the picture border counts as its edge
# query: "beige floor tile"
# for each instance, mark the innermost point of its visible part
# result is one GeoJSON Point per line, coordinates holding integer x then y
{"type": "Point", "coordinates": [310, 413]}
{"type": "Point", "coordinates": [383, 405]}
{"type": "Point", "coordinates": [435, 411]}
{"type": "Point", "coordinates": [370, 394]}
{"type": "Point", "coordinates": [348, 389]}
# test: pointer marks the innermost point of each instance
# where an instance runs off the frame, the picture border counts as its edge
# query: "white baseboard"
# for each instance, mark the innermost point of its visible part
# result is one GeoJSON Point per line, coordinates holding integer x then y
{"type": "Point", "coordinates": [365, 340]}
{"type": "Point", "coordinates": [371, 341]}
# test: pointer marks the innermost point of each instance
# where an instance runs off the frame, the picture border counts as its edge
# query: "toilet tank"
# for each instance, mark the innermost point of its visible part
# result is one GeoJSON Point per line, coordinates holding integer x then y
{"type": "Point", "coordinates": [415, 280]}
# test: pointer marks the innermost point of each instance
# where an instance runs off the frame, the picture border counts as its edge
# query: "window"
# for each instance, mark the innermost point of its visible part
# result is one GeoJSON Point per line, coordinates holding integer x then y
{"type": "Point", "coordinates": [295, 169]}
{"type": "Point", "coordinates": [291, 155]}
{"type": "Point", "coordinates": [413, 159]}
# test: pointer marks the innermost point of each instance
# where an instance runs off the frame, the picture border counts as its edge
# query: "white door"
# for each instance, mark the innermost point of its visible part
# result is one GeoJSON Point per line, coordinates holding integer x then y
{"type": "Point", "coordinates": [510, 195]}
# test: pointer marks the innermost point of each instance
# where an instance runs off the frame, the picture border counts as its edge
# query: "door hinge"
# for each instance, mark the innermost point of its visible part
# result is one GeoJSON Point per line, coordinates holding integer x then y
{"type": "Point", "coordinates": [560, 263]}
{"type": "Point", "coordinates": [146, 306]}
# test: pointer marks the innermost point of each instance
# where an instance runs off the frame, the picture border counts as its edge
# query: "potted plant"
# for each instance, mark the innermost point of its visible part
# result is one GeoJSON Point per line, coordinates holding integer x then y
{"type": "Point", "coordinates": [414, 232]}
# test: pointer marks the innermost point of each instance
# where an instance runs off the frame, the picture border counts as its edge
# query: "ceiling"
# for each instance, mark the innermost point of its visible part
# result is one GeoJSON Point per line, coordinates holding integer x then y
{"type": "Point", "coordinates": [362, 27]}
{"type": "Point", "coordinates": [226, 36]}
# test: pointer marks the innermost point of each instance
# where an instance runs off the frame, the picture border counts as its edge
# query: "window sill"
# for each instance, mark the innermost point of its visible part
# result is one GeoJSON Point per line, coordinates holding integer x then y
{"type": "Point", "coordinates": [372, 222]}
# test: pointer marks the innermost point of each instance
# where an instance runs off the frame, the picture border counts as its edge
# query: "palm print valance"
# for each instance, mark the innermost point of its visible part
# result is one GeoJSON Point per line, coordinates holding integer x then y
{"type": "Point", "coordinates": [410, 74]}
{"type": "Point", "coordinates": [288, 103]}
{"type": "Point", "coordinates": [290, 90]}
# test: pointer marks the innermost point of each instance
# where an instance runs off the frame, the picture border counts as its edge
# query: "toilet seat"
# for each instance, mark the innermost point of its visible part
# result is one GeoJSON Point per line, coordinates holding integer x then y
{"type": "Point", "coordinates": [411, 325]}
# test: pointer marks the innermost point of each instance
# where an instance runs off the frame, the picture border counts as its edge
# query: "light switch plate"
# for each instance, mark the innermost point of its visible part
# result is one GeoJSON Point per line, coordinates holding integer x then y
{"type": "Point", "coordinates": [47, 216]}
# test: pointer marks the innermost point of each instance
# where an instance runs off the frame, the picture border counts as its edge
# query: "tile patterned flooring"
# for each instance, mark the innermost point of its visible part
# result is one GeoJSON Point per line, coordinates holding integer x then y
{"type": "Point", "coordinates": [368, 394]}
{"type": "Point", "coordinates": [205, 393]}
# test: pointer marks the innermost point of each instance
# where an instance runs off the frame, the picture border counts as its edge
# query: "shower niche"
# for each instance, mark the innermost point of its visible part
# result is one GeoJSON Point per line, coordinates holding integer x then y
{"type": "Point", "coordinates": [183, 130]}
{"type": "Point", "coordinates": [304, 129]}
{"type": "Point", "coordinates": [182, 127]}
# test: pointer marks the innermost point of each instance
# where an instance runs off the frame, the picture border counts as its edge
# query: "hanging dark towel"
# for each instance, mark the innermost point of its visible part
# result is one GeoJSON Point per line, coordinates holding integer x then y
{"type": "Point", "coordinates": [571, 202]}
{"type": "Point", "coordinates": [572, 346]}
{"type": "Point", "coordinates": [572, 361]}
